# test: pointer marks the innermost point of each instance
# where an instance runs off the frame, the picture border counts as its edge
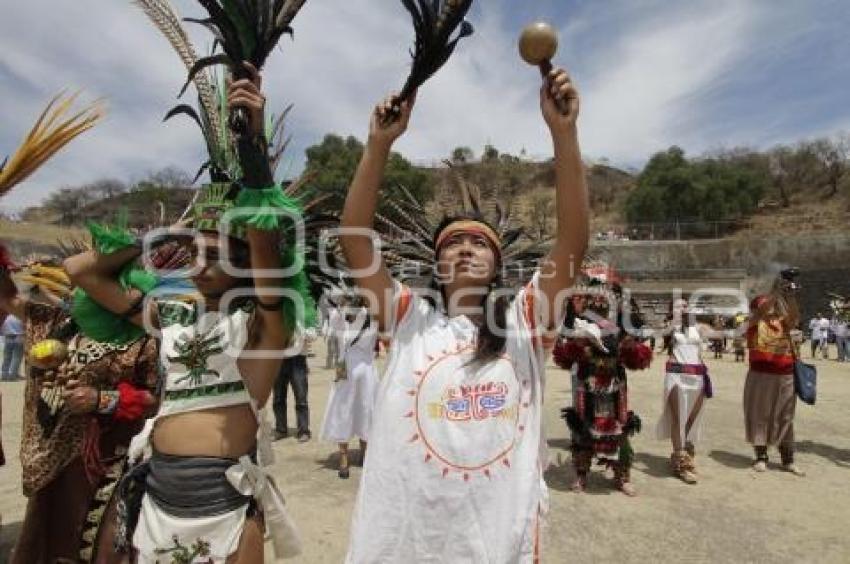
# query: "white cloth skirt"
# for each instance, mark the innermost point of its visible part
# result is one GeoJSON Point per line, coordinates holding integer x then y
{"type": "Point", "coordinates": [688, 388]}
{"type": "Point", "coordinates": [349, 410]}
{"type": "Point", "coordinates": [156, 530]}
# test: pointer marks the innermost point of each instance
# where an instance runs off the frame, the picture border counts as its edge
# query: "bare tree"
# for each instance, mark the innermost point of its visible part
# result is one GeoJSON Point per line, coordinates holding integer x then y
{"type": "Point", "coordinates": [833, 156]}
{"type": "Point", "coordinates": [542, 213]}
{"type": "Point", "coordinates": [792, 169]}
{"type": "Point", "coordinates": [67, 204]}
{"type": "Point", "coordinates": [169, 177]}
{"type": "Point", "coordinates": [107, 188]}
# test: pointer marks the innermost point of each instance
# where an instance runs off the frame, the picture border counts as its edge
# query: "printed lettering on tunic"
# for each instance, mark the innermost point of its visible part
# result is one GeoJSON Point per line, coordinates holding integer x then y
{"type": "Point", "coordinates": [468, 419]}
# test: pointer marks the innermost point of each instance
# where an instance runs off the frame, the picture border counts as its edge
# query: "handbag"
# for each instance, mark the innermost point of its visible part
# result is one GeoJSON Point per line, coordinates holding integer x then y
{"type": "Point", "coordinates": [341, 371]}
{"type": "Point", "coordinates": [708, 388]}
{"type": "Point", "coordinates": [805, 378]}
{"type": "Point", "coordinates": [341, 368]}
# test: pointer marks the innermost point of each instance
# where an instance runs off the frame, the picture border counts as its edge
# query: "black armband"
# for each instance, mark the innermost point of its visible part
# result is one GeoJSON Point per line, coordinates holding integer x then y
{"type": "Point", "coordinates": [135, 308]}
{"type": "Point", "coordinates": [254, 160]}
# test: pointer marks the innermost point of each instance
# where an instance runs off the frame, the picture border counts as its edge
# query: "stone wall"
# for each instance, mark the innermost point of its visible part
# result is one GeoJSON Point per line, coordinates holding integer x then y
{"type": "Point", "coordinates": [655, 268]}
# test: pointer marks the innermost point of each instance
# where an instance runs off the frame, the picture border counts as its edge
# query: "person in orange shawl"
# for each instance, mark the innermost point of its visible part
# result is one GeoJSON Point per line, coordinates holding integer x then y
{"type": "Point", "coordinates": [769, 396]}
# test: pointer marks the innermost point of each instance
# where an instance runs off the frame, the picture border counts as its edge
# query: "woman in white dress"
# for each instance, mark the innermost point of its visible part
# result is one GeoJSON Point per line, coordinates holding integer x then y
{"type": "Point", "coordinates": [686, 385]}
{"type": "Point", "coordinates": [349, 411]}
{"type": "Point", "coordinates": [456, 448]}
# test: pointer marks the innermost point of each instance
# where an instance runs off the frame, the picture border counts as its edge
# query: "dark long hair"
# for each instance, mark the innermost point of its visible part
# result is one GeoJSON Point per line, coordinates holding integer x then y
{"type": "Point", "coordinates": [671, 330]}
{"type": "Point", "coordinates": [491, 339]}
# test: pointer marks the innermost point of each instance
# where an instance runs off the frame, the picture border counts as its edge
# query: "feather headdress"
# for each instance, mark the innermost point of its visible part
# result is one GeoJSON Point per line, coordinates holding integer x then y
{"type": "Point", "coordinates": [246, 30]}
{"type": "Point", "coordinates": [439, 25]}
{"type": "Point", "coordinates": [408, 243]}
{"type": "Point", "coordinates": [163, 16]}
{"type": "Point", "coordinates": [211, 113]}
{"type": "Point", "coordinates": [46, 276]}
{"type": "Point", "coordinates": [55, 128]}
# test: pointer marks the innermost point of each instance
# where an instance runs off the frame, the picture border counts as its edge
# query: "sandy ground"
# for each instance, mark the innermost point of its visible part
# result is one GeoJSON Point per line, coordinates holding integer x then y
{"type": "Point", "coordinates": [732, 515]}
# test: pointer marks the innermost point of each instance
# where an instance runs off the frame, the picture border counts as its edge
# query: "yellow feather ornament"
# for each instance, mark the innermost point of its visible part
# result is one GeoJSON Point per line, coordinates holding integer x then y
{"type": "Point", "coordinates": [55, 128]}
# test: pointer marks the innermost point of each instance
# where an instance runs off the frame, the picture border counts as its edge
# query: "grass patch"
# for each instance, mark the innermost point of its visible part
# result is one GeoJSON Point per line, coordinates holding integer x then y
{"type": "Point", "coordinates": [40, 233]}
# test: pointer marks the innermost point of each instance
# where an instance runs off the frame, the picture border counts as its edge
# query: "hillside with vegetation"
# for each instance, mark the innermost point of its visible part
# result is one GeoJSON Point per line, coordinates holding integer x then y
{"type": "Point", "coordinates": [788, 189]}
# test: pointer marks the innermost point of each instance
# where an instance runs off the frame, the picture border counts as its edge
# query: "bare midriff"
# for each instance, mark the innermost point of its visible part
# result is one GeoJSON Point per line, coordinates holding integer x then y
{"type": "Point", "coordinates": [223, 432]}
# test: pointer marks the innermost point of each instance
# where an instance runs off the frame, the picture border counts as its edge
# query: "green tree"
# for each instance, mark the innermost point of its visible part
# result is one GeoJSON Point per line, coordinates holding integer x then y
{"type": "Point", "coordinates": [332, 163]}
{"type": "Point", "coordinates": [462, 155]}
{"type": "Point", "coordinates": [672, 188]}
{"type": "Point", "coordinates": [491, 153]}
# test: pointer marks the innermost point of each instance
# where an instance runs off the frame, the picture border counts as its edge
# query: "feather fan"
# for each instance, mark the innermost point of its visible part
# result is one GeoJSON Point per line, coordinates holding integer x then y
{"type": "Point", "coordinates": [439, 25]}
{"type": "Point", "coordinates": [246, 30]}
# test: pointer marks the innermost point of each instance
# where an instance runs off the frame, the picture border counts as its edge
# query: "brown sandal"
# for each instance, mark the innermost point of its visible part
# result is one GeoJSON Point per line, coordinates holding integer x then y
{"type": "Point", "coordinates": [683, 467]}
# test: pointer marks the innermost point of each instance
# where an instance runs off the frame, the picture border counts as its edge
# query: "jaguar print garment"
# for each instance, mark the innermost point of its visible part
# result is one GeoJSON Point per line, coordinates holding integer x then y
{"type": "Point", "coordinates": [103, 366]}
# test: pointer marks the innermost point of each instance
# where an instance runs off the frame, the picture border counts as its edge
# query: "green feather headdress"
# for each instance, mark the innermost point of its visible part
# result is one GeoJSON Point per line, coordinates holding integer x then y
{"type": "Point", "coordinates": [246, 30]}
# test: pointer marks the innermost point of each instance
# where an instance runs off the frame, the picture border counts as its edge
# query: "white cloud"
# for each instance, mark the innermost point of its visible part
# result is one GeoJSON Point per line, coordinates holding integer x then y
{"type": "Point", "coordinates": [644, 93]}
{"type": "Point", "coordinates": [645, 77]}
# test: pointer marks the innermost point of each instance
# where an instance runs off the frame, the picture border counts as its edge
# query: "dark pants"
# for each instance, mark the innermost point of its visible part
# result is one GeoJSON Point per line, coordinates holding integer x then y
{"type": "Point", "coordinates": [13, 354]}
{"type": "Point", "coordinates": [293, 371]}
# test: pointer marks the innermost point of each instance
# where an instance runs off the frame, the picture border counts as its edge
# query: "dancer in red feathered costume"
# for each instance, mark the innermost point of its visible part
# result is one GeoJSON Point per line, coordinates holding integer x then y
{"type": "Point", "coordinates": [598, 348]}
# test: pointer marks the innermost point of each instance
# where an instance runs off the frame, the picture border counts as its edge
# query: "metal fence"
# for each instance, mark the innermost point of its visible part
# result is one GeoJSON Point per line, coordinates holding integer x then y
{"type": "Point", "coordinates": [688, 230]}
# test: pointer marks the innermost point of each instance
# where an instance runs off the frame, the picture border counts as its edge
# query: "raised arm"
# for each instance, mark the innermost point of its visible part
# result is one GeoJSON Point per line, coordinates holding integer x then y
{"type": "Point", "coordinates": [358, 216]}
{"type": "Point", "coordinates": [263, 237]}
{"type": "Point", "coordinates": [565, 258]}
{"type": "Point", "coordinates": [97, 274]}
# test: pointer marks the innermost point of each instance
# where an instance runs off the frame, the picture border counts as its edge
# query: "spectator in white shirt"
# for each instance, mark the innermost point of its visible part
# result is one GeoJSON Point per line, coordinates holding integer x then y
{"type": "Point", "coordinates": [12, 330]}
{"type": "Point", "coordinates": [842, 338]}
{"type": "Point", "coordinates": [819, 330]}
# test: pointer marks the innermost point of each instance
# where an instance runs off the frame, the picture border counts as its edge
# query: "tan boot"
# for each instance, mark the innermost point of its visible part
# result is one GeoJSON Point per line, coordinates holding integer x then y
{"type": "Point", "coordinates": [760, 464]}
{"type": "Point", "coordinates": [582, 459]}
{"type": "Point", "coordinates": [622, 478]}
{"type": "Point", "coordinates": [579, 485]}
{"type": "Point", "coordinates": [787, 453]}
{"type": "Point", "coordinates": [683, 467]}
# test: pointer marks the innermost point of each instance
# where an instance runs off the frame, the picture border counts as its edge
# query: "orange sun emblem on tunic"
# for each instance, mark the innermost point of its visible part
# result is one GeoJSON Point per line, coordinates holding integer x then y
{"type": "Point", "coordinates": [467, 420]}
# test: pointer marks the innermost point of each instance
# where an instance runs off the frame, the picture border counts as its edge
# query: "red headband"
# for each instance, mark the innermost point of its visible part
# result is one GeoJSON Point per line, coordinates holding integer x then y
{"type": "Point", "coordinates": [473, 227]}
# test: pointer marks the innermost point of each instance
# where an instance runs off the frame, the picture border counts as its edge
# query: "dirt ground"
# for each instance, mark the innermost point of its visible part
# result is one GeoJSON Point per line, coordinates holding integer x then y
{"type": "Point", "coordinates": [732, 515]}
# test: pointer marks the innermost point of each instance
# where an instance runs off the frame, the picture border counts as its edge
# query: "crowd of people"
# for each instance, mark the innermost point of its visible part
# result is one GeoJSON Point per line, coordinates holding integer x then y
{"type": "Point", "coordinates": [724, 334]}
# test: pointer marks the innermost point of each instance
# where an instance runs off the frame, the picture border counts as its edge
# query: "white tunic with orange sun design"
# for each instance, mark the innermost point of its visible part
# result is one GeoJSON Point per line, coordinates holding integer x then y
{"type": "Point", "coordinates": [454, 471]}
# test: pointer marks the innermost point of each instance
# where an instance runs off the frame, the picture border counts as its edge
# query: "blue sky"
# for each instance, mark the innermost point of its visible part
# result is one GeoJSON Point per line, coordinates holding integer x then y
{"type": "Point", "coordinates": [703, 74]}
